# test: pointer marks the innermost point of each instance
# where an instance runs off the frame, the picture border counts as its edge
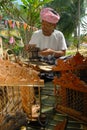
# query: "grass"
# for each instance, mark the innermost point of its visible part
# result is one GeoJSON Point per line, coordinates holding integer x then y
{"type": "Point", "coordinates": [72, 50]}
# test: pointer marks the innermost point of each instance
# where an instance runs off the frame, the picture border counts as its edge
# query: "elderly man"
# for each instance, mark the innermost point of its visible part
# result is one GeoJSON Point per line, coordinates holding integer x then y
{"type": "Point", "coordinates": [48, 39]}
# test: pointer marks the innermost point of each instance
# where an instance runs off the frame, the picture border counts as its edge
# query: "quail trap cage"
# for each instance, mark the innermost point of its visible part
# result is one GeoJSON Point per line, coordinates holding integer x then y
{"type": "Point", "coordinates": [71, 87]}
{"type": "Point", "coordinates": [17, 95]}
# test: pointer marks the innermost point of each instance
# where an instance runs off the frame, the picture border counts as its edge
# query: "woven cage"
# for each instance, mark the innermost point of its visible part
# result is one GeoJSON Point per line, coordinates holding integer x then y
{"type": "Point", "coordinates": [10, 101]}
{"type": "Point", "coordinates": [27, 99]}
{"type": "Point", "coordinates": [18, 98]}
{"type": "Point", "coordinates": [17, 90]}
{"type": "Point", "coordinates": [30, 102]}
{"type": "Point", "coordinates": [3, 99]}
{"type": "Point", "coordinates": [71, 87]}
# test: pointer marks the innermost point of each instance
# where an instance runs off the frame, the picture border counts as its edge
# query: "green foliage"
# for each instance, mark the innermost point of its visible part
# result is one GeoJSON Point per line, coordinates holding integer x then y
{"type": "Point", "coordinates": [28, 12]}
{"type": "Point", "coordinates": [30, 9]}
{"type": "Point", "coordinates": [69, 16]}
{"type": "Point", "coordinates": [17, 49]}
{"type": "Point", "coordinates": [84, 25]}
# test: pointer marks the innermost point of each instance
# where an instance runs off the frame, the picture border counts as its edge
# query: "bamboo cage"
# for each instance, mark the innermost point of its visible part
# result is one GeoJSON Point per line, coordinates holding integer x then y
{"type": "Point", "coordinates": [71, 86]}
{"type": "Point", "coordinates": [17, 93]}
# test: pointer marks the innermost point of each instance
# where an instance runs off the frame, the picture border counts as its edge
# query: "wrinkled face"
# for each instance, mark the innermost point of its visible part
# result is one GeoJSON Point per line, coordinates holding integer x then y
{"type": "Point", "coordinates": [47, 28]}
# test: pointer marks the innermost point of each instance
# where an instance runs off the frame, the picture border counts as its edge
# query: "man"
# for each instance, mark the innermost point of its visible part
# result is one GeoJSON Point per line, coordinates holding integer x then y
{"type": "Point", "coordinates": [48, 39]}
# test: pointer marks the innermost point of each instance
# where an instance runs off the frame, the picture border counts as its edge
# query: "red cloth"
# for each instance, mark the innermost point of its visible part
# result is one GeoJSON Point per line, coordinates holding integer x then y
{"type": "Point", "coordinates": [49, 15]}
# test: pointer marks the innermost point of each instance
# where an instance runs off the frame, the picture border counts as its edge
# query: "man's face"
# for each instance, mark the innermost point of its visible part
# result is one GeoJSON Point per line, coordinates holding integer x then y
{"type": "Point", "coordinates": [47, 28]}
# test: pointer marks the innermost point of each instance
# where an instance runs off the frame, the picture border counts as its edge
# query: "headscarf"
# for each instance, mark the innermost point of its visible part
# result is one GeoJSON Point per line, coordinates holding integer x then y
{"type": "Point", "coordinates": [49, 15]}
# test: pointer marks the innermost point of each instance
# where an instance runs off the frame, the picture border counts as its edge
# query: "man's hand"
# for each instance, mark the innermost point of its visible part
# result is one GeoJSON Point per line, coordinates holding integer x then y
{"type": "Point", "coordinates": [50, 51]}
{"type": "Point", "coordinates": [46, 52]}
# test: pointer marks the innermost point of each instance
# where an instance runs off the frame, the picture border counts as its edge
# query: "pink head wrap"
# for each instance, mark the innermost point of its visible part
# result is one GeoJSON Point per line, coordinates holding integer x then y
{"type": "Point", "coordinates": [49, 15]}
